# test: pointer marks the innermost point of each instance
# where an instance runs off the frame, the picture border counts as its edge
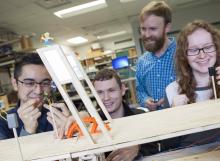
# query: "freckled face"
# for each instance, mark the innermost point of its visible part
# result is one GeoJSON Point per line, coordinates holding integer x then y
{"type": "Point", "coordinates": [200, 63]}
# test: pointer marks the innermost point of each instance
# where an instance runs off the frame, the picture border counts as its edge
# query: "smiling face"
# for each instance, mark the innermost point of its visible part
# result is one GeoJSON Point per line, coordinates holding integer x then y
{"type": "Point", "coordinates": [111, 94]}
{"type": "Point", "coordinates": [30, 73]}
{"type": "Point", "coordinates": [200, 63]}
{"type": "Point", "coordinates": [153, 33]}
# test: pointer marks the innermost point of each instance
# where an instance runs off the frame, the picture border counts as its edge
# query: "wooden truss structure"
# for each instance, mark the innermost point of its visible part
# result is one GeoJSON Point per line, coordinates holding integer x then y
{"type": "Point", "coordinates": [64, 68]}
{"type": "Point", "coordinates": [127, 131]}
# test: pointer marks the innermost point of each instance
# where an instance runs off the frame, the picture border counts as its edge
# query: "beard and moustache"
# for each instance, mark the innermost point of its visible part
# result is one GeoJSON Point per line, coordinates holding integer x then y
{"type": "Point", "coordinates": [153, 43]}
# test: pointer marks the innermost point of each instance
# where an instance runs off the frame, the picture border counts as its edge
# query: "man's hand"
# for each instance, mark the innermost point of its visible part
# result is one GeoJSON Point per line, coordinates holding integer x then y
{"type": "Point", "coordinates": [152, 104]}
{"type": "Point", "coordinates": [160, 102]}
{"type": "Point", "coordinates": [29, 113]}
{"type": "Point", "coordinates": [218, 75]}
{"type": "Point", "coordinates": [61, 116]}
{"type": "Point", "coordinates": [125, 154]}
{"type": "Point", "coordinates": [180, 100]}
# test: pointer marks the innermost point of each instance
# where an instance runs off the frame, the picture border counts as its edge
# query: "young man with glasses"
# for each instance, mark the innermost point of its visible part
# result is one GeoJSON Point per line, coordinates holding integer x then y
{"type": "Point", "coordinates": [31, 81]}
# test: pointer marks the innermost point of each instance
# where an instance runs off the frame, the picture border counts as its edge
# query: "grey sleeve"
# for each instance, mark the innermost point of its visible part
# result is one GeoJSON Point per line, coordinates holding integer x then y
{"type": "Point", "coordinates": [166, 102]}
{"type": "Point", "coordinates": [24, 132]}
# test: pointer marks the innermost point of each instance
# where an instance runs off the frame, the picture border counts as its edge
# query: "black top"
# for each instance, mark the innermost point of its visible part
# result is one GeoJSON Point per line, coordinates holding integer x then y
{"type": "Point", "coordinates": [43, 124]}
{"type": "Point", "coordinates": [127, 111]}
{"type": "Point", "coordinates": [148, 148]}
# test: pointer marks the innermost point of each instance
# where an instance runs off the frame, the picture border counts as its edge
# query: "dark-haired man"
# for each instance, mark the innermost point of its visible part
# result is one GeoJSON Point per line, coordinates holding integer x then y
{"type": "Point", "coordinates": [31, 80]}
{"type": "Point", "coordinates": [111, 90]}
{"type": "Point", "coordinates": [155, 69]}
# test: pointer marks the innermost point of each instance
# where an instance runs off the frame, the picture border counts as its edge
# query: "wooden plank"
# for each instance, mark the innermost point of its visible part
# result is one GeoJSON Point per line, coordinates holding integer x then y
{"type": "Point", "coordinates": [209, 156]}
{"type": "Point", "coordinates": [181, 153]}
{"type": "Point", "coordinates": [125, 132]}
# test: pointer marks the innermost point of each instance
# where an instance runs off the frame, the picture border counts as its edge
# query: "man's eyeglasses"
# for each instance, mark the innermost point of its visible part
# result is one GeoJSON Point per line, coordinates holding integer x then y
{"type": "Point", "coordinates": [33, 83]}
{"type": "Point", "coordinates": [196, 51]}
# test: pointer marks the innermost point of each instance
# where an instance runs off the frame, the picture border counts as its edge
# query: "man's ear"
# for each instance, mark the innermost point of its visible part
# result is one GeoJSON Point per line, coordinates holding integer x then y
{"type": "Point", "coordinates": [123, 89]}
{"type": "Point", "coordinates": [14, 84]}
{"type": "Point", "coordinates": [168, 27]}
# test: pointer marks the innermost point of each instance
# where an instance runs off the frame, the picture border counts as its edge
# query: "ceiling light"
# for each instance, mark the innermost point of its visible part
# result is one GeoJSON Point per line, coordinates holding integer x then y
{"type": "Point", "coordinates": [81, 9]}
{"type": "Point", "coordinates": [77, 40]}
{"type": "Point", "coordinates": [125, 1]}
{"type": "Point", "coordinates": [106, 52]}
{"type": "Point", "coordinates": [111, 35]}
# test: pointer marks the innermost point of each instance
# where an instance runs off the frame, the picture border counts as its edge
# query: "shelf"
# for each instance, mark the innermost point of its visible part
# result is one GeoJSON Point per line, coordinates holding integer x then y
{"type": "Point", "coordinates": [7, 63]}
{"type": "Point", "coordinates": [132, 57]}
{"type": "Point", "coordinates": [104, 63]}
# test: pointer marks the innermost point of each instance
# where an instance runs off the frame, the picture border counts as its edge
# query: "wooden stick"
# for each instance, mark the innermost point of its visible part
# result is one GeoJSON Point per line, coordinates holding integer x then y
{"type": "Point", "coordinates": [214, 88]}
{"type": "Point", "coordinates": [18, 143]}
{"type": "Point", "coordinates": [54, 123]}
{"type": "Point", "coordinates": [212, 73]}
{"type": "Point", "coordinates": [46, 98]}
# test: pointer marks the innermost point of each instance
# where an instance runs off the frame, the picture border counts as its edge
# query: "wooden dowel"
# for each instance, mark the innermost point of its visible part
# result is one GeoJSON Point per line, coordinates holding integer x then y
{"type": "Point", "coordinates": [18, 143]}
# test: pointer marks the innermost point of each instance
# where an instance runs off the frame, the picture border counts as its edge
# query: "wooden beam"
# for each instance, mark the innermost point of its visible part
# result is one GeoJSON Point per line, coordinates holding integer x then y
{"type": "Point", "coordinates": [126, 131]}
{"type": "Point", "coordinates": [208, 156]}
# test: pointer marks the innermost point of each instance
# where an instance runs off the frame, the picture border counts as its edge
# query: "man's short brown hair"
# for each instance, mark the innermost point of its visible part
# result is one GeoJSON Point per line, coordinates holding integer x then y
{"type": "Point", "coordinates": [158, 8]}
{"type": "Point", "coordinates": [107, 74]}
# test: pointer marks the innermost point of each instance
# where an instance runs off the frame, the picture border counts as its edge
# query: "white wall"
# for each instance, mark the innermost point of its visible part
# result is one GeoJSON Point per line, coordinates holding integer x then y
{"type": "Point", "coordinates": [106, 44]}
{"type": "Point", "coordinates": [209, 12]}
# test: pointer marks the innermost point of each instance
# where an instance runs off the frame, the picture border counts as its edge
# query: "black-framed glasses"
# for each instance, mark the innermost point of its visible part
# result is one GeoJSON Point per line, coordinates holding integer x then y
{"type": "Point", "coordinates": [32, 83]}
{"type": "Point", "coordinates": [206, 49]}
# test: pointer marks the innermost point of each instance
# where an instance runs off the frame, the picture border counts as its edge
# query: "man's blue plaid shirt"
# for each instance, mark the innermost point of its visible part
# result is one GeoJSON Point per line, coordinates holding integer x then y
{"type": "Point", "coordinates": [154, 74]}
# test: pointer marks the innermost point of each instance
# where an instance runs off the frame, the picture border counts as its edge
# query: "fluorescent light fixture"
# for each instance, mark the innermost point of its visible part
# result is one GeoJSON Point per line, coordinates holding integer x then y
{"type": "Point", "coordinates": [77, 40]}
{"type": "Point", "coordinates": [125, 1]}
{"type": "Point", "coordinates": [108, 52]}
{"type": "Point", "coordinates": [81, 9]}
{"type": "Point", "coordinates": [111, 35]}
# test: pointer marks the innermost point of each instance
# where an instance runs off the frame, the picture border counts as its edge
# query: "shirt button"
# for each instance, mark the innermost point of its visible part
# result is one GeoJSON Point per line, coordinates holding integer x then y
{"type": "Point", "coordinates": [158, 61]}
{"type": "Point", "coordinates": [158, 75]}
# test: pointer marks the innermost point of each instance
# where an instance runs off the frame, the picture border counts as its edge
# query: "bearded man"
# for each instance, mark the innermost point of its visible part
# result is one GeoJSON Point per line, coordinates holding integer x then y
{"type": "Point", "coordinates": [155, 68]}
